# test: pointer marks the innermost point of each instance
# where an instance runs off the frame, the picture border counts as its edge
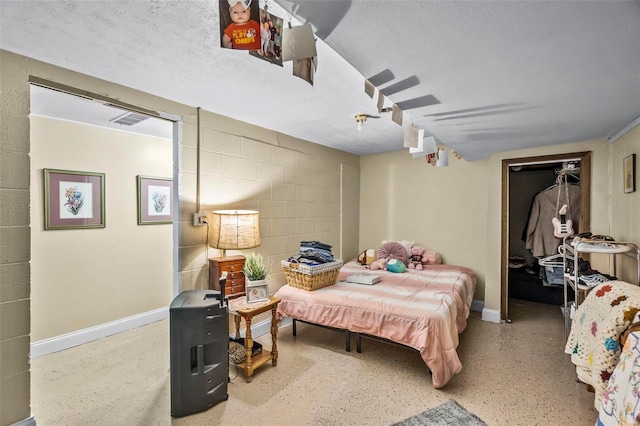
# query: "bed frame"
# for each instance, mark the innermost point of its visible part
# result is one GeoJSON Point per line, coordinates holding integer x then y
{"type": "Point", "coordinates": [347, 333]}
{"type": "Point", "coordinates": [347, 337]}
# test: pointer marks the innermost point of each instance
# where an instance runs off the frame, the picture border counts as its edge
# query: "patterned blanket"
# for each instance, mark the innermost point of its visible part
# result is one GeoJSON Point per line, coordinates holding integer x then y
{"type": "Point", "coordinates": [621, 403]}
{"type": "Point", "coordinates": [595, 333]}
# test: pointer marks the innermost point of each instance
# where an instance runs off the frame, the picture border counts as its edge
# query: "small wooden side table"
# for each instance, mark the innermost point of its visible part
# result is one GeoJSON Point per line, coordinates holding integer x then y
{"type": "Point", "coordinates": [245, 310]}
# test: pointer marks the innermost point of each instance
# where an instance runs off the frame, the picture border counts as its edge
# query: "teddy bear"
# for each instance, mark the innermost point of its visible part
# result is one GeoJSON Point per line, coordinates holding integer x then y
{"type": "Point", "coordinates": [417, 258]}
{"type": "Point", "coordinates": [420, 256]}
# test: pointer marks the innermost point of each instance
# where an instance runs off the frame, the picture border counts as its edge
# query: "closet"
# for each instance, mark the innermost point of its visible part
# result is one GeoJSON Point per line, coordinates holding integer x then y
{"type": "Point", "coordinates": [537, 192]}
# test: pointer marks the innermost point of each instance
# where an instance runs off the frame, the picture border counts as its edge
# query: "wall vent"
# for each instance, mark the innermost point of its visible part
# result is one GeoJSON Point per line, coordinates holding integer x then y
{"type": "Point", "coordinates": [129, 118]}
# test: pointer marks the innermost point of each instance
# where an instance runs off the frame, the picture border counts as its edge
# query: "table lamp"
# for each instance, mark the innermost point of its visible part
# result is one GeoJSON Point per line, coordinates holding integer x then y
{"type": "Point", "coordinates": [235, 230]}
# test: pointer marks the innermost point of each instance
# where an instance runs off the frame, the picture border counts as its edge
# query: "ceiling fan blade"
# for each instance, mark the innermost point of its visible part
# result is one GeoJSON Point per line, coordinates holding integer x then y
{"type": "Point", "coordinates": [373, 116]}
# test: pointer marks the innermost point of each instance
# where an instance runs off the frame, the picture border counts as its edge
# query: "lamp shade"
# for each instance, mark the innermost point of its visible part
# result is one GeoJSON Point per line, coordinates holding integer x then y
{"type": "Point", "coordinates": [235, 229]}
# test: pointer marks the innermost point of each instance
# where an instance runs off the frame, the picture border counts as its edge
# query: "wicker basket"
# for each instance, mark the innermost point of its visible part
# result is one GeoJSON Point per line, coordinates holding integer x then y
{"type": "Point", "coordinates": [311, 277]}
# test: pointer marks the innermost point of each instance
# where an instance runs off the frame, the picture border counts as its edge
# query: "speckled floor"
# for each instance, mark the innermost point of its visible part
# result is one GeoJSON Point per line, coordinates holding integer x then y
{"type": "Point", "coordinates": [514, 374]}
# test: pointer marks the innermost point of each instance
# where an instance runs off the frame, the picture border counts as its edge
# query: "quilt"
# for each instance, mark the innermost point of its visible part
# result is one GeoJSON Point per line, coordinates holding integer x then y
{"type": "Point", "coordinates": [598, 323]}
{"type": "Point", "coordinates": [620, 402]}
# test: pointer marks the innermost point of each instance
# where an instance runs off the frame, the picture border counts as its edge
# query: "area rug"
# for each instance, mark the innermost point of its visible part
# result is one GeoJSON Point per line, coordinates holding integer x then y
{"type": "Point", "coordinates": [448, 414]}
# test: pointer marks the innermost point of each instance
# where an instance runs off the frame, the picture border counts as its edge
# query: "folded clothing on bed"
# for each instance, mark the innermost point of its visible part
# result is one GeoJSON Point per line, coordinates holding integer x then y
{"type": "Point", "coordinates": [313, 253]}
{"type": "Point", "coordinates": [316, 244]}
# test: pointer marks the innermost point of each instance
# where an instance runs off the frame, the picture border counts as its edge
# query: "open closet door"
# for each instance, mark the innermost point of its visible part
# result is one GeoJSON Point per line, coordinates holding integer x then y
{"type": "Point", "coordinates": [535, 189]}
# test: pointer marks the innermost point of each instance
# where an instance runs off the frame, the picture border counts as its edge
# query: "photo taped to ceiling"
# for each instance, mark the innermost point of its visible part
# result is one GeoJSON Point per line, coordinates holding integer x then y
{"type": "Point", "coordinates": [270, 38]}
{"type": "Point", "coordinates": [239, 24]}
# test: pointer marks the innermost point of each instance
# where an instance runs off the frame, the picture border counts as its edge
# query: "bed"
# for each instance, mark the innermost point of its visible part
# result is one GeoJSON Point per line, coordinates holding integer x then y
{"type": "Point", "coordinates": [424, 310]}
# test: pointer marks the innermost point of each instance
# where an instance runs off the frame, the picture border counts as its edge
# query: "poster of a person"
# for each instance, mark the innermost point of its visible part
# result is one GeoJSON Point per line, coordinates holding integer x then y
{"type": "Point", "coordinates": [239, 25]}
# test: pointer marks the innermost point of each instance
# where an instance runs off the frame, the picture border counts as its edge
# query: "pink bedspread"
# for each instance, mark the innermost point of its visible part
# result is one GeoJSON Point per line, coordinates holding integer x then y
{"type": "Point", "coordinates": [422, 309]}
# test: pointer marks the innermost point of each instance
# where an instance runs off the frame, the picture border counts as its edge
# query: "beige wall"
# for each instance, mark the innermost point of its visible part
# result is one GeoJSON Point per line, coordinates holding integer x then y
{"type": "Point", "coordinates": [456, 210]}
{"type": "Point", "coordinates": [443, 209]}
{"type": "Point", "coordinates": [84, 278]}
{"type": "Point", "coordinates": [295, 185]}
{"type": "Point", "coordinates": [625, 208]}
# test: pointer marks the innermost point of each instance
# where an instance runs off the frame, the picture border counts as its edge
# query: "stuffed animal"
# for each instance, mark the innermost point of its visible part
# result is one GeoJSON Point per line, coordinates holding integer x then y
{"type": "Point", "coordinates": [417, 257]}
{"type": "Point", "coordinates": [378, 264]}
{"type": "Point", "coordinates": [430, 257]}
{"type": "Point", "coordinates": [420, 257]}
{"type": "Point", "coordinates": [367, 257]}
{"type": "Point", "coordinates": [394, 265]}
{"type": "Point", "coordinates": [386, 252]}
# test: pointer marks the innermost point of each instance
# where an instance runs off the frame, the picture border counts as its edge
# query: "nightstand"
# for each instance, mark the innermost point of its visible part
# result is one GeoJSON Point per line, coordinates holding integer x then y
{"type": "Point", "coordinates": [240, 308]}
{"type": "Point", "coordinates": [234, 267]}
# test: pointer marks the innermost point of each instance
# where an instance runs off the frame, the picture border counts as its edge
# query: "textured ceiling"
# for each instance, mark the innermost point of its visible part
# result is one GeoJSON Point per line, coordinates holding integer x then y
{"type": "Point", "coordinates": [481, 76]}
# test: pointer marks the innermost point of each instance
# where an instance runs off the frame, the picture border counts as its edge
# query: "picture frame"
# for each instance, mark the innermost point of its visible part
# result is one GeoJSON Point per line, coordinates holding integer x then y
{"type": "Point", "coordinates": [73, 199]}
{"type": "Point", "coordinates": [155, 195]}
{"type": "Point", "coordinates": [629, 173]}
{"type": "Point", "coordinates": [257, 293]}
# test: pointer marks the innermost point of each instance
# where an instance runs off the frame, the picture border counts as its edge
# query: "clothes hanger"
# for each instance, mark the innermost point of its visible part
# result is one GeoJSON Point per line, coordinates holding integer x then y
{"type": "Point", "coordinates": [557, 182]}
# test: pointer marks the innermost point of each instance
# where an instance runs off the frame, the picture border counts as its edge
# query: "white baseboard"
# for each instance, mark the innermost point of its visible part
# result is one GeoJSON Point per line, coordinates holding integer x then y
{"type": "Point", "coordinates": [491, 315]}
{"type": "Point", "coordinates": [66, 341]}
{"type": "Point", "coordinates": [31, 421]}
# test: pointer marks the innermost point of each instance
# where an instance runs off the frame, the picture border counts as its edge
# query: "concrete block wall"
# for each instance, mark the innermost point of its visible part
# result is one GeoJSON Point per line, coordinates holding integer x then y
{"type": "Point", "coordinates": [14, 249]}
{"type": "Point", "coordinates": [295, 185]}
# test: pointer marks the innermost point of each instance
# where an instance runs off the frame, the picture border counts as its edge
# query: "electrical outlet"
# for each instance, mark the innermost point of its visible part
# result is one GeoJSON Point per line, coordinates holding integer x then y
{"type": "Point", "coordinates": [199, 219]}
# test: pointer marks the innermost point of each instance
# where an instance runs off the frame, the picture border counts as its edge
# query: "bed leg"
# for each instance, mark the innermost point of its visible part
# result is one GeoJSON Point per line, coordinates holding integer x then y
{"type": "Point", "coordinates": [347, 340]}
{"type": "Point", "coordinates": [294, 327]}
{"type": "Point", "coordinates": [358, 343]}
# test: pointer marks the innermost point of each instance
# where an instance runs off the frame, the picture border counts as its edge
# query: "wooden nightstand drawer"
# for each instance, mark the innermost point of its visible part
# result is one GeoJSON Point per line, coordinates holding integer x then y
{"type": "Point", "coordinates": [234, 267]}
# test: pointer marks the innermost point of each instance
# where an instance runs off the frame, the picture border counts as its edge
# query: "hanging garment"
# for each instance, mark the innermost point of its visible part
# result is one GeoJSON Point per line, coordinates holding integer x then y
{"type": "Point", "coordinates": [540, 239]}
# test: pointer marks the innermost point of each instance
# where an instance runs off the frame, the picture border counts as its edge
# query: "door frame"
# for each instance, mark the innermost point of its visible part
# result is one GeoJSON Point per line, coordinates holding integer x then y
{"type": "Point", "coordinates": [584, 217]}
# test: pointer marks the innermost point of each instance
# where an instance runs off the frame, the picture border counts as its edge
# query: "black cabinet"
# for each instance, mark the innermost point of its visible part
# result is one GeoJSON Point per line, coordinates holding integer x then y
{"type": "Point", "coordinates": [199, 345]}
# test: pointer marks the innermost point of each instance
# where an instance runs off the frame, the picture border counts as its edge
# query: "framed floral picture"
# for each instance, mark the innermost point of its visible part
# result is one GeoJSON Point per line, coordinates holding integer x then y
{"type": "Point", "coordinates": [154, 200]}
{"type": "Point", "coordinates": [73, 199]}
{"type": "Point", "coordinates": [629, 173]}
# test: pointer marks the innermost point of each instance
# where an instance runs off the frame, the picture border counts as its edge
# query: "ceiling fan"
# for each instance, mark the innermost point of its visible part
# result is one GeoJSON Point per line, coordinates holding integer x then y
{"type": "Point", "coordinates": [362, 117]}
